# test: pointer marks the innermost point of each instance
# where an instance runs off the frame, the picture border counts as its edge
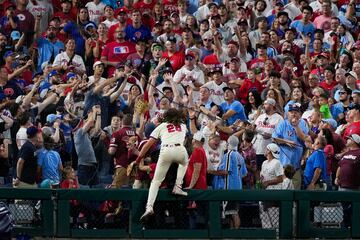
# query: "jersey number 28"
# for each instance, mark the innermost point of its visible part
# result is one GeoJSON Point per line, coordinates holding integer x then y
{"type": "Point", "coordinates": [172, 128]}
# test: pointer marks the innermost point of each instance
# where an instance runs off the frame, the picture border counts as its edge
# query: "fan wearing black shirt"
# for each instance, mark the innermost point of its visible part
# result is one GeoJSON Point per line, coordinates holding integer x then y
{"type": "Point", "coordinates": [27, 163]}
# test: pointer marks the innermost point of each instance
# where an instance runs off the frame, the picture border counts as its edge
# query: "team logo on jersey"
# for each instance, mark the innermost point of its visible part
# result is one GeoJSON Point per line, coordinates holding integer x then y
{"type": "Point", "coordinates": [121, 49]}
{"type": "Point", "coordinates": [290, 133]}
{"type": "Point", "coordinates": [21, 17]}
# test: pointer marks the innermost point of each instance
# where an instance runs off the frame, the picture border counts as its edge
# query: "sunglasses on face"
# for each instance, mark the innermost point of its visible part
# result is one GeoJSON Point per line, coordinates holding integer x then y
{"type": "Point", "coordinates": [189, 58]}
{"type": "Point", "coordinates": [342, 92]}
{"type": "Point", "coordinates": [265, 121]}
{"type": "Point", "coordinates": [207, 40]}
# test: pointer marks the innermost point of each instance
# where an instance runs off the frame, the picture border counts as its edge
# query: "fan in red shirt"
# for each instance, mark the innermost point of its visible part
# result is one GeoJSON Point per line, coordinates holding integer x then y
{"type": "Point", "coordinates": [329, 82]}
{"type": "Point", "coordinates": [195, 177]}
{"type": "Point", "coordinates": [122, 16]}
{"type": "Point", "coordinates": [65, 13]}
{"type": "Point", "coordinates": [117, 51]}
{"type": "Point", "coordinates": [354, 127]}
{"type": "Point", "coordinates": [249, 83]}
{"type": "Point", "coordinates": [143, 5]}
{"type": "Point", "coordinates": [176, 58]}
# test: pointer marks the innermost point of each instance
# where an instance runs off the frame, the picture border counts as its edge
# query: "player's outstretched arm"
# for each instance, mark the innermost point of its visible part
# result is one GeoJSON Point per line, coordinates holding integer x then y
{"type": "Point", "coordinates": [145, 149]}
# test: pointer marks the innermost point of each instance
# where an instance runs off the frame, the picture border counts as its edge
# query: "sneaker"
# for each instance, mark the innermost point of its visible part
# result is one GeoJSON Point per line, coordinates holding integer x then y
{"type": "Point", "coordinates": [149, 211]}
{"type": "Point", "coordinates": [178, 191]}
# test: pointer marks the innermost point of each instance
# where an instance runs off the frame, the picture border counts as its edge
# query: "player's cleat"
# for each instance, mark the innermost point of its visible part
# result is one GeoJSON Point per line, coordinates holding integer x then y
{"type": "Point", "coordinates": [148, 212]}
{"type": "Point", "coordinates": [178, 191]}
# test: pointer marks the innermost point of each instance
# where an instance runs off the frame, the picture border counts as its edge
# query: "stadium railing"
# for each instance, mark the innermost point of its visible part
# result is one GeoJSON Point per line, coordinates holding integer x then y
{"type": "Point", "coordinates": [289, 214]}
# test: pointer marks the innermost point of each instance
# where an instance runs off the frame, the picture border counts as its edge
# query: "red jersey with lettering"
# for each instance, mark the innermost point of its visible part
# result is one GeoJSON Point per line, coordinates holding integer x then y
{"type": "Point", "coordinates": [119, 140]}
{"type": "Point", "coordinates": [144, 6]}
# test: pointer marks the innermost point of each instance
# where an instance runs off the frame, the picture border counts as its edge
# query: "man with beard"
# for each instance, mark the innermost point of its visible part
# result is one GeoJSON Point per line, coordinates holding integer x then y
{"type": "Point", "coordinates": [265, 125]}
{"type": "Point", "coordinates": [168, 31]}
{"type": "Point", "coordinates": [122, 17]}
{"type": "Point", "coordinates": [137, 30]}
{"type": "Point", "coordinates": [117, 51]}
{"type": "Point", "coordinates": [3, 48]}
{"type": "Point", "coordinates": [48, 47]}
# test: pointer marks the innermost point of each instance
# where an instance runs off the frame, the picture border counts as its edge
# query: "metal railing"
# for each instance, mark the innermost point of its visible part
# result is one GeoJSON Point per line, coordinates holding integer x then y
{"type": "Point", "coordinates": [301, 214]}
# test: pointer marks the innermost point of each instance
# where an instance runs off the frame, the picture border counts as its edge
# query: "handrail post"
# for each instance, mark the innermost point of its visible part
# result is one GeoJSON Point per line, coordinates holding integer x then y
{"type": "Point", "coordinates": [135, 228]}
{"type": "Point", "coordinates": [303, 221]}
{"type": "Point", "coordinates": [63, 218]}
{"type": "Point", "coordinates": [355, 220]}
{"type": "Point", "coordinates": [214, 220]}
{"type": "Point", "coordinates": [48, 217]}
{"type": "Point", "coordinates": [286, 220]}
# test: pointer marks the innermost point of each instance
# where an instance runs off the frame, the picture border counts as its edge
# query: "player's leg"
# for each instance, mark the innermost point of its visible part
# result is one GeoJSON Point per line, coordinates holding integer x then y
{"type": "Point", "coordinates": [161, 169]}
{"type": "Point", "coordinates": [183, 163]}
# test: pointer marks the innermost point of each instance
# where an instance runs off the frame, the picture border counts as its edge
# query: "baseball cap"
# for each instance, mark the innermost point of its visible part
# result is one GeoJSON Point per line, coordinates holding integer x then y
{"type": "Point", "coordinates": [90, 25]}
{"type": "Point", "coordinates": [199, 136]}
{"type": "Point", "coordinates": [98, 63]}
{"type": "Point", "coordinates": [330, 121]}
{"type": "Point", "coordinates": [70, 75]}
{"type": "Point", "coordinates": [15, 35]}
{"type": "Point", "coordinates": [8, 92]}
{"type": "Point", "coordinates": [52, 118]}
{"type": "Point", "coordinates": [8, 53]}
{"type": "Point", "coordinates": [174, 13]}
{"type": "Point", "coordinates": [324, 55]}
{"type": "Point", "coordinates": [233, 143]}
{"type": "Point", "coordinates": [44, 65]}
{"type": "Point", "coordinates": [171, 39]}
{"type": "Point", "coordinates": [191, 54]}
{"type": "Point", "coordinates": [156, 45]}
{"type": "Point", "coordinates": [212, 4]}
{"type": "Point", "coordinates": [356, 91]}
{"type": "Point", "coordinates": [31, 131]}
{"type": "Point", "coordinates": [167, 70]}
{"type": "Point", "coordinates": [207, 35]}
{"type": "Point", "coordinates": [274, 149]}
{"type": "Point", "coordinates": [120, 10]}
{"type": "Point", "coordinates": [295, 107]}
{"type": "Point", "coordinates": [353, 74]}
{"type": "Point", "coordinates": [216, 69]}
{"type": "Point", "coordinates": [243, 22]}
{"type": "Point", "coordinates": [8, 5]}
{"type": "Point", "coordinates": [227, 88]}
{"type": "Point", "coordinates": [291, 29]}
{"type": "Point", "coordinates": [355, 106]}
{"type": "Point", "coordinates": [270, 101]}
{"type": "Point", "coordinates": [261, 46]}
{"type": "Point", "coordinates": [355, 137]}
{"type": "Point", "coordinates": [53, 73]}
{"type": "Point", "coordinates": [235, 59]}
{"type": "Point", "coordinates": [279, 3]}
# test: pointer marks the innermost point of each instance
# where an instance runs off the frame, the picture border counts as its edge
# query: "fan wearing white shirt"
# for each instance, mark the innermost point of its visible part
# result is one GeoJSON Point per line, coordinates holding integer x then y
{"type": "Point", "coordinates": [216, 86]}
{"type": "Point", "coordinates": [96, 10]}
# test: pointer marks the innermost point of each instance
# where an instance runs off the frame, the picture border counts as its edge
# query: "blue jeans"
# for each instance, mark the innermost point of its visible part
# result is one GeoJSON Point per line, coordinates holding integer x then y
{"type": "Point", "coordinates": [88, 175]}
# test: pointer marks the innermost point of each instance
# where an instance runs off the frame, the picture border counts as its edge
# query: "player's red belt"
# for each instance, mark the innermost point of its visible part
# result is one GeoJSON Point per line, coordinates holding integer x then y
{"type": "Point", "coordinates": [171, 145]}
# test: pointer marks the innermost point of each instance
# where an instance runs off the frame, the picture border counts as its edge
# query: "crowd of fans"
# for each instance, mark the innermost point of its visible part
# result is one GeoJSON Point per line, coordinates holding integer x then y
{"type": "Point", "coordinates": [265, 85]}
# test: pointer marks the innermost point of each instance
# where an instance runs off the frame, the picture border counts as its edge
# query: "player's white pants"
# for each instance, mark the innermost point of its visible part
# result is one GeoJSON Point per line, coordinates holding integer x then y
{"type": "Point", "coordinates": [168, 155]}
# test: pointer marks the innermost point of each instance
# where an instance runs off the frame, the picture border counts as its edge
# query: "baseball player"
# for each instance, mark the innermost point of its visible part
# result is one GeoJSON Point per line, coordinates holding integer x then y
{"type": "Point", "coordinates": [171, 132]}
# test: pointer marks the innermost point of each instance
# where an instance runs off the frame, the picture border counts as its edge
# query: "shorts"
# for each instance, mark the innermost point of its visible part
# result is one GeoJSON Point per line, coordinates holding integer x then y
{"type": "Point", "coordinates": [231, 208]}
{"type": "Point", "coordinates": [259, 161]}
{"type": "Point", "coordinates": [87, 175]}
{"type": "Point", "coordinates": [120, 178]}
